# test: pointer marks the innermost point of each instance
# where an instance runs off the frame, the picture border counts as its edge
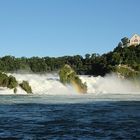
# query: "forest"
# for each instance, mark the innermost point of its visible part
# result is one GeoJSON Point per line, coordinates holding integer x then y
{"type": "Point", "coordinates": [91, 64]}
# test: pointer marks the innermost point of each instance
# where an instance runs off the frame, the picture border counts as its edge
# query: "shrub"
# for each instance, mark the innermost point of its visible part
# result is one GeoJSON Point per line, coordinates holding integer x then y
{"type": "Point", "coordinates": [12, 82]}
{"type": "Point", "coordinates": [68, 76]}
{"type": "Point", "coordinates": [25, 86]}
{"type": "Point", "coordinates": [4, 80]}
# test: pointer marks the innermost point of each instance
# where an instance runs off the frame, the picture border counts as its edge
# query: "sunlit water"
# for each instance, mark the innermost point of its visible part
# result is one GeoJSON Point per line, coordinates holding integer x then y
{"type": "Point", "coordinates": [63, 117]}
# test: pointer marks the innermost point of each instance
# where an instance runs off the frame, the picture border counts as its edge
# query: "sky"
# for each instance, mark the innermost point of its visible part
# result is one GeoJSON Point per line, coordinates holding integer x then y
{"type": "Point", "coordinates": [65, 27]}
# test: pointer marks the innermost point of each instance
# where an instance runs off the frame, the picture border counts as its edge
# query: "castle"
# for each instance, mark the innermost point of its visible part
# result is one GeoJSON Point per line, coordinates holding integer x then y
{"type": "Point", "coordinates": [134, 40]}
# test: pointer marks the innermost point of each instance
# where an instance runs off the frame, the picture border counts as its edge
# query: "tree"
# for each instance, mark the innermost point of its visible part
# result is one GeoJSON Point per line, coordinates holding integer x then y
{"type": "Point", "coordinates": [12, 82]}
{"type": "Point", "coordinates": [125, 41]}
{"type": "Point", "coordinates": [87, 56]}
{"type": "Point", "coordinates": [68, 76]}
{"type": "Point", "coordinates": [25, 86]}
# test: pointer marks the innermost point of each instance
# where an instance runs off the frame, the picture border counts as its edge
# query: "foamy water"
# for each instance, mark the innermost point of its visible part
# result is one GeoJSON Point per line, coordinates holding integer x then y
{"type": "Point", "coordinates": [49, 84]}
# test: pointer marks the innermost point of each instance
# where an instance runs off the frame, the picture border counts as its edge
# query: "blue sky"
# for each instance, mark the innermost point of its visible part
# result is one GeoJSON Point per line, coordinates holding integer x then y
{"type": "Point", "coordinates": [65, 27]}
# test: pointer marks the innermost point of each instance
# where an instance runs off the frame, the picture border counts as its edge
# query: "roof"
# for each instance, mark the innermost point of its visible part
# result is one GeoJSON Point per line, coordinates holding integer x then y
{"type": "Point", "coordinates": [135, 35]}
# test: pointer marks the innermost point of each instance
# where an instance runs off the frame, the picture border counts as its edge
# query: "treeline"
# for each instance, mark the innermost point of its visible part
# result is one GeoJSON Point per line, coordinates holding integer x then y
{"type": "Point", "coordinates": [91, 64]}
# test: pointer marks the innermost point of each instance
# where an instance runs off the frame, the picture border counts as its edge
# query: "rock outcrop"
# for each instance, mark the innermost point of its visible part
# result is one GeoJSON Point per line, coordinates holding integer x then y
{"type": "Point", "coordinates": [25, 86]}
{"type": "Point", "coordinates": [68, 76]}
{"type": "Point", "coordinates": [11, 83]}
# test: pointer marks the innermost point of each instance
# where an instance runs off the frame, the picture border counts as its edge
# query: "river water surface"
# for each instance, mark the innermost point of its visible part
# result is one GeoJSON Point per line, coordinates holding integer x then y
{"type": "Point", "coordinates": [61, 117]}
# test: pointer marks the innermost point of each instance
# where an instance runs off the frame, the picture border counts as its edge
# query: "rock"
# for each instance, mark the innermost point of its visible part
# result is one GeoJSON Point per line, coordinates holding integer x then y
{"type": "Point", "coordinates": [15, 90]}
{"type": "Point", "coordinates": [25, 86]}
{"type": "Point", "coordinates": [12, 82]}
{"type": "Point", "coordinates": [8, 81]}
{"type": "Point", "coordinates": [4, 80]}
{"type": "Point", "coordinates": [68, 76]}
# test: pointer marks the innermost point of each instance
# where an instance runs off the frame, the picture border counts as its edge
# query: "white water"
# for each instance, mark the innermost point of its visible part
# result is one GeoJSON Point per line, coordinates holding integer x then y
{"type": "Point", "coordinates": [50, 84]}
{"type": "Point", "coordinates": [110, 84]}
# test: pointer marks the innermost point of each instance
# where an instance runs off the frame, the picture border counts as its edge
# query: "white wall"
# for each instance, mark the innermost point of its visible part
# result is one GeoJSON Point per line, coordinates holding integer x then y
{"type": "Point", "coordinates": [135, 40]}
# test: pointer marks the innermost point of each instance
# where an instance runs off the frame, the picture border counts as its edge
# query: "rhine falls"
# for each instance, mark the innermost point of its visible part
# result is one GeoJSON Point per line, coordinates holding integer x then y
{"type": "Point", "coordinates": [50, 84]}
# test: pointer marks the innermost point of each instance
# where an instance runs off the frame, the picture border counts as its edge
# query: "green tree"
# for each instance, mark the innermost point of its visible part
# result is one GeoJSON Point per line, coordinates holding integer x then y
{"type": "Point", "coordinates": [25, 86]}
{"type": "Point", "coordinates": [125, 41]}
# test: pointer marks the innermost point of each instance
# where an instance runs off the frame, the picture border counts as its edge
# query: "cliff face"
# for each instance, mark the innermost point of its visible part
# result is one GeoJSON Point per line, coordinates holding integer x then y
{"type": "Point", "coordinates": [68, 76]}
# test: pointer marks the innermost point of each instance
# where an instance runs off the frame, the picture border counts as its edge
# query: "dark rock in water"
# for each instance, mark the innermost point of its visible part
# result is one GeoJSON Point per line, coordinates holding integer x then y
{"type": "Point", "coordinates": [25, 86]}
{"type": "Point", "coordinates": [8, 81]}
{"type": "Point", "coordinates": [68, 76]}
{"type": "Point", "coordinates": [4, 80]}
{"type": "Point", "coordinates": [12, 82]}
{"type": "Point", "coordinates": [15, 90]}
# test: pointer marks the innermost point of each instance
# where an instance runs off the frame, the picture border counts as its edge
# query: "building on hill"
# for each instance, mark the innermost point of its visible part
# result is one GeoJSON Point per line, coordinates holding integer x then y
{"type": "Point", "coordinates": [134, 40]}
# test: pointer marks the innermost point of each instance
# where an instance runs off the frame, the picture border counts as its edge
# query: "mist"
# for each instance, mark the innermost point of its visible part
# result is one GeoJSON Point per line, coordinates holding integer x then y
{"type": "Point", "coordinates": [49, 84]}
{"type": "Point", "coordinates": [111, 83]}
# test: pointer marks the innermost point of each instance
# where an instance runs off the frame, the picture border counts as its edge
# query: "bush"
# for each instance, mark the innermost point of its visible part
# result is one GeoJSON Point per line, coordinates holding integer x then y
{"type": "Point", "coordinates": [68, 76]}
{"type": "Point", "coordinates": [12, 82]}
{"type": "Point", "coordinates": [25, 86]}
{"type": "Point", "coordinates": [9, 82]}
{"type": "Point", "coordinates": [4, 80]}
{"type": "Point", "coordinates": [82, 87]}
